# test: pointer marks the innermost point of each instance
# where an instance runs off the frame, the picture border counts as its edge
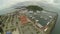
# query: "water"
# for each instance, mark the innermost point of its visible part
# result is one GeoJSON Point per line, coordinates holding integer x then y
{"type": "Point", "coordinates": [56, 30]}
{"type": "Point", "coordinates": [49, 7]}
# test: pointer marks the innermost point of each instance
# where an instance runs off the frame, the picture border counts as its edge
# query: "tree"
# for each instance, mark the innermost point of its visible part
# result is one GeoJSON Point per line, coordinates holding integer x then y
{"type": "Point", "coordinates": [34, 8]}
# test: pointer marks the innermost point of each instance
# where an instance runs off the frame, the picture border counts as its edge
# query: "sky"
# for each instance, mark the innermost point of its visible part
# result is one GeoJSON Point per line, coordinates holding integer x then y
{"type": "Point", "coordinates": [9, 3]}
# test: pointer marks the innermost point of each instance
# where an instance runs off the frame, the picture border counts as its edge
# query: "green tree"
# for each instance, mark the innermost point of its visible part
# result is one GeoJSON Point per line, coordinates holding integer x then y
{"type": "Point", "coordinates": [34, 8]}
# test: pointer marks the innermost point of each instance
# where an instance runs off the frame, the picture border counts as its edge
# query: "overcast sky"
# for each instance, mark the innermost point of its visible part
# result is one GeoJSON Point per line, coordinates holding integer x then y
{"type": "Point", "coordinates": [8, 3]}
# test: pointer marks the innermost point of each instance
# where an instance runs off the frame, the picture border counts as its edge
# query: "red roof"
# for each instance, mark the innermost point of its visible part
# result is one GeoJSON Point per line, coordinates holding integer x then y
{"type": "Point", "coordinates": [23, 19]}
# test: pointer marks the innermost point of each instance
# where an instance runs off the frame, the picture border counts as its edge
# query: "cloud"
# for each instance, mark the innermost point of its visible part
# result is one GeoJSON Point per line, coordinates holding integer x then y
{"type": "Point", "coordinates": [9, 3]}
